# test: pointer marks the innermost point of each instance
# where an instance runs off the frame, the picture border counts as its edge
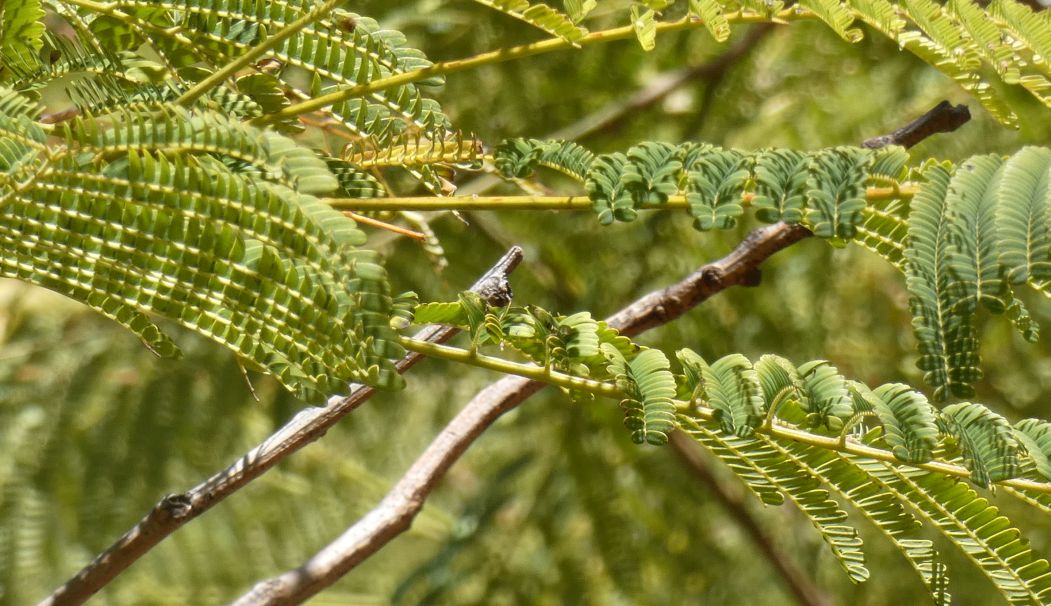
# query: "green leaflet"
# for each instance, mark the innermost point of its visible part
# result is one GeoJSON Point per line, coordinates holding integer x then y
{"type": "Point", "coordinates": [730, 385]}
{"type": "Point", "coordinates": [345, 49]}
{"type": "Point", "coordinates": [204, 221]}
{"type": "Point", "coordinates": [1022, 216]}
{"type": "Point", "coordinates": [517, 158]}
{"type": "Point", "coordinates": [948, 47]}
{"type": "Point", "coordinates": [884, 232]}
{"type": "Point", "coordinates": [986, 440]}
{"type": "Point", "coordinates": [21, 31]}
{"type": "Point", "coordinates": [780, 185]}
{"type": "Point", "coordinates": [909, 424]}
{"type": "Point", "coordinates": [1035, 436]}
{"type": "Point", "coordinates": [578, 9]}
{"type": "Point", "coordinates": [354, 182]}
{"type": "Point", "coordinates": [711, 12]}
{"type": "Point", "coordinates": [645, 23]}
{"type": "Point", "coordinates": [837, 16]}
{"type": "Point", "coordinates": [761, 463]}
{"type": "Point", "coordinates": [651, 172]}
{"type": "Point", "coordinates": [609, 196]}
{"type": "Point", "coordinates": [966, 235]}
{"type": "Point", "coordinates": [824, 513]}
{"type": "Point", "coordinates": [650, 387]}
{"type": "Point", "coordinates": [1029, 29]}
{"type": "Point", "coordinates": [836, 192]}
{"type": "Point", "coordinates": [742, 455]}
{"type": "Point", "coordinates": [880, 506]}
{"type": "Point", "coordinates": [716, 182]}
{"type": "Point", "coordinates": [947, 341]}
{"type": "Point", "coordinates": [826, 187]}
{"type": "Point", "coordinates": [889, 162]}
{"type": "Point", "coordinates": [775, 468]}
{"type": "Point", "coordinates": [975, 527]}
{"type": "Point", "coordinates": [542, 17]}
{"type": "Point", "coordinates": [827, 400]}
{"type": "Point", "coordinates": [880, 14]}
{"type": "Point", "coordinates": [183, 131]}
{"type": "Point", "coordinates": [974, 261]}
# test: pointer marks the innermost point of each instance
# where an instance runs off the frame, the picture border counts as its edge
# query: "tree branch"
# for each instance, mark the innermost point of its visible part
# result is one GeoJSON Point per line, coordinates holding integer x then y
{"type": "Point", "coordinates": [394, 514]}
{"type": "Point", "coordinates": [175, 510]}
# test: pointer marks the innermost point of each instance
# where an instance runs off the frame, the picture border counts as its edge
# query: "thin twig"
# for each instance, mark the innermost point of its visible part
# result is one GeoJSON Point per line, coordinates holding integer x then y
{"type": "Point", "coordinates": [394, 514]}
{"type": "Point", "coordinates": [175, 510]}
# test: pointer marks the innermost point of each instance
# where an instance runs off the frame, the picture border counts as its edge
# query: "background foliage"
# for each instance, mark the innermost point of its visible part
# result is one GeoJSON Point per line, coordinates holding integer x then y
{"type": "Point", "coordinates": [555, 504]}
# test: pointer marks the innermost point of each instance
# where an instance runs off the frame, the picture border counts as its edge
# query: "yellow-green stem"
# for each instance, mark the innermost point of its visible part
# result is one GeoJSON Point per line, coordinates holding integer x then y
{"type": "Point", "coordinates": [469, 203]}
{"type": "Point", "coordinates": [529, 371]}
{"type": "Point", "coordinates": [693, 409]}
{"type": "Point", "coordinates": [509, 54]}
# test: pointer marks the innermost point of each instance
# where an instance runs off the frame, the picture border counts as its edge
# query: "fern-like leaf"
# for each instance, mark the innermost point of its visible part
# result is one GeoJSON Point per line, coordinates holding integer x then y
{"type": "Point", "coordinates": [650, 387]}
{"type": "Point", "coordinates": [609, 196]}
{"type": "Point", "coordinates": [1022, 216]}
{"type": "Point", "coordinates": [540, 16]}
{"type": "Point", "coordinates": [730, 385]}
{"type": "Point", "coordinates": [780, 186]}
{"type": "Point", "coordinates": [986, 440]}
{"type": "Point", "coordinates": [715, 183]}
{"type": "Point", "coordinates": [1035, 436]}
{"type": "Point", "coordinates": [21, 31]}
{"type": "Point", "coordinates": [909, 424]}
{"type": "Point", "coordinates": [947, 343]}
{"type": "Point", "coordinates": [836, 192]}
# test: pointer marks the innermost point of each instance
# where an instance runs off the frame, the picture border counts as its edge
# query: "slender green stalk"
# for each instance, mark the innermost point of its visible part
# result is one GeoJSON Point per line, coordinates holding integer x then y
{"type": "Point", "coordinates": [510, 54]}
{"type": "Point", "coordinates": [529, 371]}
{"type": "Point", "coordinates": [469, 203]}
{"type": "Point", "coordinates": [696, 410]}
{"type": "Point", "coordinates": [257, 51]}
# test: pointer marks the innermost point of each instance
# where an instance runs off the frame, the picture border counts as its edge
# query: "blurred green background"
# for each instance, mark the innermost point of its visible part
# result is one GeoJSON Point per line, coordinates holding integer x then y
{"type": "Point", "coordinates": [554, 505]}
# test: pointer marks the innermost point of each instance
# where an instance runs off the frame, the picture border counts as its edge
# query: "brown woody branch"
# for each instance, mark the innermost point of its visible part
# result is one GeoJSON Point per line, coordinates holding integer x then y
{"type": "Point", "coordinates": [175, 510]}
{"type": "Point", "coordinates": [394, 514]}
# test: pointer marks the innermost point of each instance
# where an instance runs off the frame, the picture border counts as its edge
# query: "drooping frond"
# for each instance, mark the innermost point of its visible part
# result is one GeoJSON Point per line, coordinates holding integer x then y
{"type": "Point", "coordinates": [975, 527]}
{"type": "Point", "coordinates": [947, 340]}
{"type": "Point", "coordinates": [765, 468]}
{"type": "Point", "coordinates": [204, 220]}
{"type": "Point", "coordinates": [885, 492]}
{"type": "Point", "coordinates": [21, 31]}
